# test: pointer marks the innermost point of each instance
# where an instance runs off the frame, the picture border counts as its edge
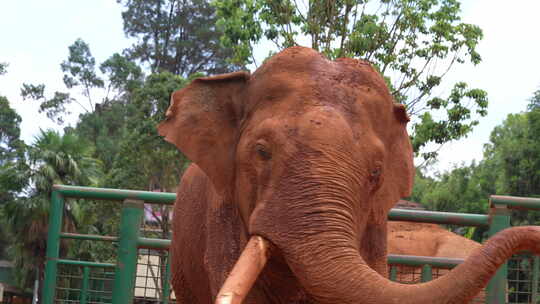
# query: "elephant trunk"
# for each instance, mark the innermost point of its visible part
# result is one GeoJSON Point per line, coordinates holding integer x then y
{"type": "Point", "coordinates": [338, 274]}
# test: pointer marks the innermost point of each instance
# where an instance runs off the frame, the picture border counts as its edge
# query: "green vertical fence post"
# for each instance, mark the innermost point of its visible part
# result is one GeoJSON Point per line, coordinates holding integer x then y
{"type": "Point", "coordinates": [166, 279]}
{"type": "Point", "coordinates": [53, 247]}
{"type": "Point", "coordinates": [393, 273]}
{"type": "Point", "coordinates": [497, 286]}
{"type": "Point", "coordinates": [427, 274]}
{"type": "Point", "coordinates": [84, 288]}
{"type": "Point", "coordinates": [535, 269]}
{"type": "Point", "coordinates": [126, 265]}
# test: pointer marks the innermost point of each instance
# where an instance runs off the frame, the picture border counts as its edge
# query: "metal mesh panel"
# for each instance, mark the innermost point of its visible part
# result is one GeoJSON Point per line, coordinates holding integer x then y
{"type": "Point", "coordinates": [69, 287]}
{"type": "Point", "coordinates": [100, 287]}
{"type": "Point", "coordinates": [152, 280]}
{"type": "Point", "coordinates": [407, 274]}
{"type": "Point", "coordinates": [521, 279]}
{"type": "Point", "coordinates": [413, 275]}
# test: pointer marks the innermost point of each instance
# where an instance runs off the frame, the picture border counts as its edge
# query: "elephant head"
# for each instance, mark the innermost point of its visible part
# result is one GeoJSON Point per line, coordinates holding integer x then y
{"type": "Point", "coordinates": [314, 153]}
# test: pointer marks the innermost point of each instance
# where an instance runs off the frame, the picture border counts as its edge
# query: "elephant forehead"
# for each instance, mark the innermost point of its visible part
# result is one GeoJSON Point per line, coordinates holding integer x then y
{"type": "Point", "coordinates": [323, 122]}
{"type": "Point", "coordinates": [294, 94]}
{"type": "Point", "coordinates": [299, 64]}
{"type": "Point", "coordinates": [320, 126]}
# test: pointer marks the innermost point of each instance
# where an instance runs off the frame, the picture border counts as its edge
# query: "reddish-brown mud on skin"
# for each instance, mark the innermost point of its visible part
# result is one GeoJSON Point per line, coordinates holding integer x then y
{"type": "Point", "coordinates": [310, 154]}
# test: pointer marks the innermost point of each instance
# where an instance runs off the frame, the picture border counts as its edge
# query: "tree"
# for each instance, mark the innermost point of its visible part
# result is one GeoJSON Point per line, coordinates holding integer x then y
{"type": "Point", "coordinates": [534, 101]}
{"type": "Point", "coordinates": [510, 167]}
{"type": "Point", "coordinates": [458, 190]}
{"type": "Point", "coordinates": [10, 142]}
{"type": "Point", "coordinates": [53, 158]}
{"type": "Point", "coordinates": [62, 159]}
{"type": "Point", "coordinates": [513, 150]}
{"type": "Point", "coordinates": [12, 151]}
{"type": "Point", "coordinates": [3, 68]}
{"type": "Point", "coordinates": [412, 43]}
{"type": "Point", "coordinates": [175, 36]}
{"type": "Point", "coordinates": [13, 166]}
{"type": "Point", "coordinates": [533, 117]}
{"type": "Point", "coordinates": [11, 146]}
{"type": "Point", "coordinates": [145, 160]}
{"type": "Point", "coordinates": [80, 73]}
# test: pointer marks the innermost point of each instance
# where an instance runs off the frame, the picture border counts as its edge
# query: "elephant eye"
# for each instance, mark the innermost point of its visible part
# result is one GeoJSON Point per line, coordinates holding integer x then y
{"type": "Point", "coordinates": [375, 174]}
{"type": "Point", "coordinates": [263, 152]}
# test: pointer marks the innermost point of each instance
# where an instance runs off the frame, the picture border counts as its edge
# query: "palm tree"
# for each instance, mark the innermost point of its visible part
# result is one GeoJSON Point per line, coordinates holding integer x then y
{"type": "Point", "coordinates": [65, 159]}
{"type": "Point", "coordinates": [52, 158]}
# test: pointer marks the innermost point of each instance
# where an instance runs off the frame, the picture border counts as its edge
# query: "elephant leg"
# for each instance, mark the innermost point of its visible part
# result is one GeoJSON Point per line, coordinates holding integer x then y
{"type": "Point", "coordinates": [373, 247]}
{"type": "Point", "coordinates": [183, 293]}
{"type": "Point", "coordinates": [225, 241]}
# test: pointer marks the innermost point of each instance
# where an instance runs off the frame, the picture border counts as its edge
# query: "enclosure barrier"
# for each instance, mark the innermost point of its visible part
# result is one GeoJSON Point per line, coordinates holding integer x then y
{"type": "Point", "coordinates": [498, 219]}
{"type": "Point", "coordinates": [129, 241]}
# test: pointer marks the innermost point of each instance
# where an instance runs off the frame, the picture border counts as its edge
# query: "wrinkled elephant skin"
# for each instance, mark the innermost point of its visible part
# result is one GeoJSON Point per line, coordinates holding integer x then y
{"type": "Point", "coordinates": [310, 154]}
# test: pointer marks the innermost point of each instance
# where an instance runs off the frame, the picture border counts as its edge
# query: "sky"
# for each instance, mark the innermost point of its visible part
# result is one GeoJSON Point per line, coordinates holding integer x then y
{"type": "Point", "coordinates": [36, 35]}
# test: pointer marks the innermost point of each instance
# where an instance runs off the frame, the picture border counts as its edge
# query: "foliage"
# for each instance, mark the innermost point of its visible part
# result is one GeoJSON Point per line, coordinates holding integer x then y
{"type": "Point", "coordinates": [13, 167]}
{"type": "Point", "coordinates": [412, 43]}
{"type": "Point", "coordinates": [510, 167]}
{"type": "Point", "coordinates": [175, 36]}
{"type": "Point", "coordinates": [145, 160]}
{"type": "Point", "coordinates": [459, 190]}
{"type": "Point", "coordinates": [80, 73]}
{"type": "Point", "coordinates": [155, 161]}
{"type": "Point", "coordinates": [11, 146]}
{"type": "Point", "coordinates": [3, 68]}
{"type": "Point", "coordinates": [62, 159]}
{"type": "Point", "coordinates": [511, 149]}
{"type": "Point", "coordinates": [535, 101]}
{"type": "Point", "coordinates": [13, 177]}
{"type": "Point", "coordinates": [12, 164]}
{"type": "Point", "coordinates": [105, 127]}
{"type": "Point", "coordinates": [52, 158]}
{"type": "Point", "coordinates": [27, 222]}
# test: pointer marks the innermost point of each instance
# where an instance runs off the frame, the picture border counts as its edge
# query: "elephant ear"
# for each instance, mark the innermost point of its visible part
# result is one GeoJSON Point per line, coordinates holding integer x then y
{"type": "Point", "coordinates": [399, 177]}
{"type": "Point", "coordinates": [403, 165]}
{"type": "Point", "coordinates": [202, 122]}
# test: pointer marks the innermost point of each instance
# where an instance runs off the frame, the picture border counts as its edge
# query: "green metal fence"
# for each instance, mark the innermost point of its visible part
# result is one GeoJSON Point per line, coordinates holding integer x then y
{"type": "Point", "coordinates": [141, 273]}
{"type": "Point", "coordinates": [84, 282]}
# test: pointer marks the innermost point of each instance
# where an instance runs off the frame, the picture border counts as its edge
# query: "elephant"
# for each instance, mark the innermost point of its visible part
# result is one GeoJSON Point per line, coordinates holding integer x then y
{"type": "Point", "coordinates": [423, 239]}
{"type": "Point", "coordinates": [430, 240]}
{"type": "Point", "coordinates": [309, 154]}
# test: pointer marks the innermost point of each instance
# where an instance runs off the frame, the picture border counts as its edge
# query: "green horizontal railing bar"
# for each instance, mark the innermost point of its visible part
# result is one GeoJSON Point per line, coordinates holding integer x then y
{"type": "Point", "coordinates": [115, 194]}
{"type": "Point", "coordinates": [169, 198]}
{"type": "Point", "coordinates": [464, 219]}
{"type": "Point", "coordinates": [143, 242]}
{"type": "Point", "coordinates": [411, 260]}
{"type": "Point", "coordinates": [91, 237]}
{"type": "Point", "coordinates": [154, 243]}
{"type": "Point", "coordinates": [85, 263]}
{"type": "Point", "coordinates": [516, 202]}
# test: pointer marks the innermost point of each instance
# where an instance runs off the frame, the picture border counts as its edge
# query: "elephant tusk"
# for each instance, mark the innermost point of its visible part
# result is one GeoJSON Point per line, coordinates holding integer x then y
{"type": "Point", "coordinates": [245, 272]}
